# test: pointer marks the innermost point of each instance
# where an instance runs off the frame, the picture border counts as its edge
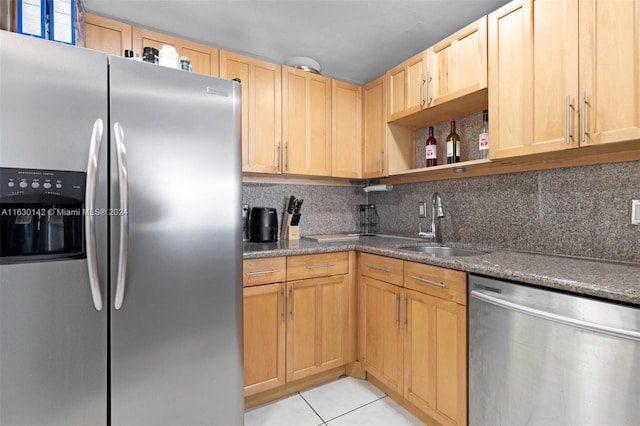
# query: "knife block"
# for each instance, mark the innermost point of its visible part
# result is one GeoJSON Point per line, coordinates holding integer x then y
{"type": "Point", "coordinates": [289, 232]}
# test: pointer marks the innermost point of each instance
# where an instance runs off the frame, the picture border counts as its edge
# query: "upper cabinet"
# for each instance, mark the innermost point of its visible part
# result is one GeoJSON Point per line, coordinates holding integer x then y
{"type": "Point", "coordinates": [406, 87]}
{"type": "Point", "coordinates": [374, 125]}
{"type": "Point", "coordinates": [261, 110]}
{"type": "Point", "coordinates": [306, 122]}
{"type": "Point", "coordinates": [204, 59]}
{"type": "Point", "coordinates": [447, 80]}
{"type": "Point", "coordinates": [457, 66]}
{"type": "Point", "coordinates": [346, 136]}
{"type": "Point", "coordinates": [107, 35]}
{"type": "Point", "coordinates": [563, 74]}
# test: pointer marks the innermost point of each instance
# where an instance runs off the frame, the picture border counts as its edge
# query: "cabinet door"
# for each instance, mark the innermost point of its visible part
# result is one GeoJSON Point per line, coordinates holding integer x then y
{"type": "Point", "coordinates": [306, 122]}
{"type": "Point", "coordinates": [261, 110]}
{"type": "Point", "coordinates": [264, 318]}
{"type": "Point", "coordinates": [610, 70]}
{"type": "Point", "coordinates": [374, 117]}
{"type": "Point", "coordinates": [204, 59]}
{"type": "Point", "coordinates": [317, 336]}
{"type": "Point", "coordinates": [346, 136]}
{"type": "Point", "coordinates": [435, 357]}
{"type": "Point", "coordinates": [406, 87]}
{"type": "Point", "coordinates": [458, 64]}
{"type": "Point", "coordinates": [383, 341]}
{"type": "Point", "coordinates": [107, 35]}
{"type": "Point", "coordinates": [533, 77]}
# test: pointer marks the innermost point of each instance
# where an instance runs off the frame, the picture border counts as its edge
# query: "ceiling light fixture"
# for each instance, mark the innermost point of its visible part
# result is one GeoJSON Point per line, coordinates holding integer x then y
{"type": "Point", "coordinates": [304, 63]}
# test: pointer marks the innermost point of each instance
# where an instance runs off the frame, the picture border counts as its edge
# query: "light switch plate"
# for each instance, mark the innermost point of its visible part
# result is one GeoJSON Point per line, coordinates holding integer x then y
{"type": "Point", "coordinates": [422, 209]}
{"type": "Point", "coordinates": [635, 212]}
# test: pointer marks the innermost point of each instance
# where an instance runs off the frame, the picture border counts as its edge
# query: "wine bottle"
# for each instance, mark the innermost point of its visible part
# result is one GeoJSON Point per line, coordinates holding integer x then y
{"type": "Point", "coordinates": [483, 135]}
{"type": "Point", "coordinates": [453, 145]}
{"type": "Point", "coordinates": [432, 151]}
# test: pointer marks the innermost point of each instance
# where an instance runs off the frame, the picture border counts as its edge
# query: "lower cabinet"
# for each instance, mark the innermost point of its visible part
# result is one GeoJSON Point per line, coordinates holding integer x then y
{"type": "Point", "coordinates": [415, 342]}
{"type": "Point", "coordinates": [297, 328]}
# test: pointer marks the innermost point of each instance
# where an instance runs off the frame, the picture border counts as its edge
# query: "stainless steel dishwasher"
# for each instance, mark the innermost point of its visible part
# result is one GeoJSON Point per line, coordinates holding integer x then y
{"type": "Point", "coordinates": [541, 357]}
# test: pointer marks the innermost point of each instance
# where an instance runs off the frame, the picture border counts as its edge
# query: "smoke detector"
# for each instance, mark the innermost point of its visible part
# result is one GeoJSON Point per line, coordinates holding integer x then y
{"type": "Point", "coordinates": [304, 63]}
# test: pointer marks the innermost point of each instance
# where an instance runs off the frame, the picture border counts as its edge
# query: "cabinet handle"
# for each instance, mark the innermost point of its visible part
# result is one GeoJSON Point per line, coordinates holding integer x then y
{"type": "Point", "coordinates": [583, 118]}
{"type": "Point", "coordinates": [292, 306]}
{"type": "Point", "coordinates": [284, 304]}
{"type": "Point", "coordinates": [426, 281]}
{"type": "Point", "coordinates": [429, 99]}
{"type": "Point", "coordinates": [278, 157]}
{"type": "Point", "coordinates": [270, 271]}
{"type": "Point", "coordinates": [381, 162]}
{"type": "Point", "coordinates": [568, 134]}
{"type": "Point", "coordinates": [286, 156]}
{"type": "Point", "coordinates": [422, 82]}
{"type": "Point", "coordinates": [404, 316]}
{"type": "Point", "coordinates": [396, 320]}
{"type": "Point", "coordinates": [379, 268]}
{"type": "Point", "coordinates": [322, 265]}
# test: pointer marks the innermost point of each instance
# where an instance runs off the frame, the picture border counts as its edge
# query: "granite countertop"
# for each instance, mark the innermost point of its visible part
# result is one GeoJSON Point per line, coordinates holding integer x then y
{"type": "Point", "coordinates": [591, 277]}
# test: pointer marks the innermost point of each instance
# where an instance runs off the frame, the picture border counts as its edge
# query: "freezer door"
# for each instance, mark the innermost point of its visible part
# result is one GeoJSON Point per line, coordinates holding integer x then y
{"type": "Point", "coordinates": [176, 346]}
{"type": "Point", "coordinates": [53, 341]}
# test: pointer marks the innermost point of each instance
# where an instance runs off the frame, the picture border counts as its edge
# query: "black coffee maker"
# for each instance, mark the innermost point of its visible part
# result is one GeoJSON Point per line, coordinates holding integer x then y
{"type": "Point", "coordinates": [263, 225]}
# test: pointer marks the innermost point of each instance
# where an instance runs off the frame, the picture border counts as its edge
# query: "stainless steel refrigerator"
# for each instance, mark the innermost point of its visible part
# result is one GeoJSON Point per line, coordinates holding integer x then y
{"type": "Point", "coordinates": [120, 293]}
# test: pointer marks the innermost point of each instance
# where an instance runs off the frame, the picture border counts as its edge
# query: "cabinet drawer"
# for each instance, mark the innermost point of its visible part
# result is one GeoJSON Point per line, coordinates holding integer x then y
{"type": "Point", "coordinates": [264, 271]}
{"type": "Point", "coordinates": [381, 268]}
{"type": "Point", "coordinates": [317, 265]}
{"type": "Point", "coordinates": [439, 282]}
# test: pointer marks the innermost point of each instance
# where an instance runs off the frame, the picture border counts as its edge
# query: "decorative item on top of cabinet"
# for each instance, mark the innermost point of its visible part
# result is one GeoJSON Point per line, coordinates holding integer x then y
{"type": "Point", "coordinates": [306, 122]}
{"type": "Point", "coordinates": [563, 74]}
{"type": "Point", "coordinates": [346, 137]}
{"type": "Point", "coordinates": [204, 59]}
{"type": "Point", "coordinates": [261, 110]}
{"type": "Point", "coordinates": [107, 35]}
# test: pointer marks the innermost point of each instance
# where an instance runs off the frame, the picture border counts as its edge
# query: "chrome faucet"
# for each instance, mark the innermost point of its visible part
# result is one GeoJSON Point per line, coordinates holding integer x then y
{"type": "Point", "coordinates": [436, 211]}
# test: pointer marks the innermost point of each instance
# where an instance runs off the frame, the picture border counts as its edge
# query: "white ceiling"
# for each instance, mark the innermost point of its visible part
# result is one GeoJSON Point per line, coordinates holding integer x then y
{"type": "Point", "coordinates": [354, 40]}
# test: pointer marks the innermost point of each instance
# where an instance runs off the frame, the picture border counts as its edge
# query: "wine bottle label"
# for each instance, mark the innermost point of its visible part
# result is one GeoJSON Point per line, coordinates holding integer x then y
{"type": "Point", "coordinates": [458, 149]}
{"type": "Point", "coordinates": [431, 152]}
{"type": "Point", "coordinates": [483, 141]}
{"type": "Point", "coordinates": [449, 149]}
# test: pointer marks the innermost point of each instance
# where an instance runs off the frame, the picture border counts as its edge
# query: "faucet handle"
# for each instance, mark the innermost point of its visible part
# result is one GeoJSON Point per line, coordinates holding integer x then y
{"type": "Point", "coordinates": [426, 235]}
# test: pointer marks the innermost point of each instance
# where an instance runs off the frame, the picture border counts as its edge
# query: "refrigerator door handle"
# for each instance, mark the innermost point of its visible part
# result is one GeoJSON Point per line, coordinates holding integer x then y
{"type": "Point", "coordinates": [124, 215]}
{"type": "Point", "coordinates": [90, 205]}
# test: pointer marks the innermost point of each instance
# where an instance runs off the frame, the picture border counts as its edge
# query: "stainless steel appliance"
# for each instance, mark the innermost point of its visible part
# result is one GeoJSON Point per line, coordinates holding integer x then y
{"type": "Point", "coordinates": [140, 322]}
{"type": "Point", "coordinates": [541, 357]}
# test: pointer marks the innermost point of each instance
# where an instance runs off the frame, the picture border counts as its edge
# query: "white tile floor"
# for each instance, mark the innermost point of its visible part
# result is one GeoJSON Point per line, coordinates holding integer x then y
{"type": "Point", "coordinates": [344, 402]}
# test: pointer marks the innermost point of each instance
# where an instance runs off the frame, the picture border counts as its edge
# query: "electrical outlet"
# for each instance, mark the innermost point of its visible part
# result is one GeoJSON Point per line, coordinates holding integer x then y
{"type": "Point", "coordinates": [422, 209]}
{"type": "Point", "coordinates": [635, 212]}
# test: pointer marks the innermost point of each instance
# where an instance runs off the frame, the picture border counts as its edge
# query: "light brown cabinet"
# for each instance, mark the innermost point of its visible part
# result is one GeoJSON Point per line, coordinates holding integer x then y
{"type": "Point", "coordinates": [563, 74]}
{"type": "Point", "coordinates": [107, 35]}
{"type": "Point", "coordinates": [374, 125]}
{"type": "Point", "coordinates": [346, 136]}
{"type": "Point", "coordinates": [299, 318]}
{"type": "Point", "coordinates": [406, 87]}
{"type": "Point", "coordinates": [414, 322]}
{"type": "Point", "coordinates": [306, 122]}
{"type": "Point", "coordinates": [457, 65]}
{"type": "Point", "coordinates": [261, 110]}
{"type": "Point", "coordinates": [204, 58]}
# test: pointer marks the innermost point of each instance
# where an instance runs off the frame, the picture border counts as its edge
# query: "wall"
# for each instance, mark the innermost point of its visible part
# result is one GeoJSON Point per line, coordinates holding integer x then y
{"type": "Point", "coordinates": [582, 211]}
{"type": "Point", "coordinates": [326, 209]}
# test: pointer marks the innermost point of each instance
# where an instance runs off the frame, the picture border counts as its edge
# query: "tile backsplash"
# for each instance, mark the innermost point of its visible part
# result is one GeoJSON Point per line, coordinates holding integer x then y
{"type": "Point", "coordinates": [581, 211]}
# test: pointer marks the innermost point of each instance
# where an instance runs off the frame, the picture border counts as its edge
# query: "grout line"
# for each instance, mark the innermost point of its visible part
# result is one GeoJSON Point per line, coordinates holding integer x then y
{"type": "Point", "coordinates": [313, 409]}
{"type": "Point", "coordinates": [355, 409]}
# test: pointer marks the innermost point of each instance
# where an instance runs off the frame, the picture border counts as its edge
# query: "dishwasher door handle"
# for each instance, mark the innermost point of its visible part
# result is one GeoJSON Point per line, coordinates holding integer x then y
{"type": "Point", "coordinates": [561, 319]}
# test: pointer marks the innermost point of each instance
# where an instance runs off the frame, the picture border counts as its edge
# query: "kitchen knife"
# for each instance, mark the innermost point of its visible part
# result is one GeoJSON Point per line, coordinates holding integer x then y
{"type": "Point", "coordinates": [291, 204]}
{"type": "Point", "coordinates": [295, 219]}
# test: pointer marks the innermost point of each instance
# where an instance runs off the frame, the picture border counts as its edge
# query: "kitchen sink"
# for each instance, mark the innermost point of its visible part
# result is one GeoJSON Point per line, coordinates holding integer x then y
{"type": "Point", "coordinates": [444, 251]}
